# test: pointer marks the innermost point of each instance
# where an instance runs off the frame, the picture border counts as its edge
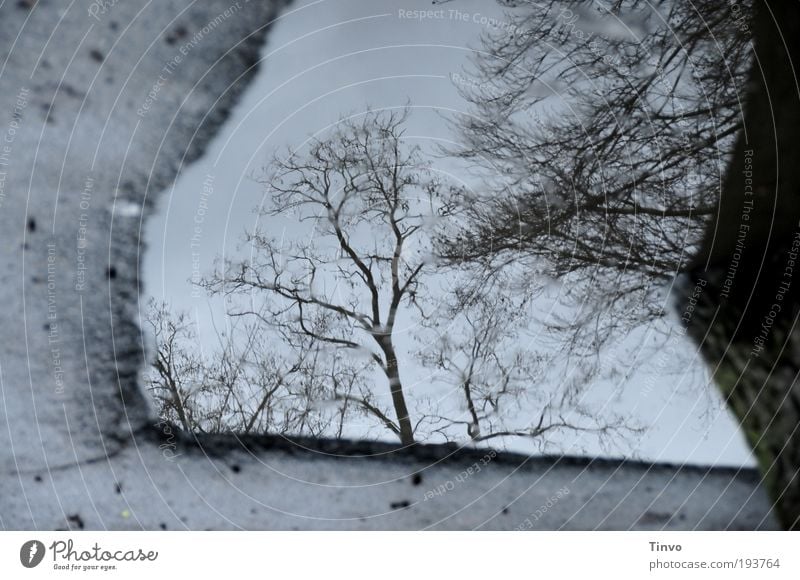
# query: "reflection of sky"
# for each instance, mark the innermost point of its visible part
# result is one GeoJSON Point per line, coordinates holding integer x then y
{"type": "Point", "coordinates": [329, 58]}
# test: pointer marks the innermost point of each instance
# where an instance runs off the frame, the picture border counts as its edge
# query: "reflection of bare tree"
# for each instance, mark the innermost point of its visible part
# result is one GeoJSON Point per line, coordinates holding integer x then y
{"type": "Point", "coordinates": [319, 307]}
{"type": "Point", "coordinates": [603, 133]}
{"type": "Point", "coordinates": [370, 202]}
{"type": "Point", "coordinates": [481, 356]}
{"type": "Point", "coordinates": [243, 385]}
{"type": "Point", "coordinates": [175, 367]}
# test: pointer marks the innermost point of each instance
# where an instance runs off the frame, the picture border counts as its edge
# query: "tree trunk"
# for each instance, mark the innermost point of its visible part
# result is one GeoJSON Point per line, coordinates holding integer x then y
{"type": "Point", "coordinates": [396, 388]}
{"type": "Point", "coordinates": [743, 297]}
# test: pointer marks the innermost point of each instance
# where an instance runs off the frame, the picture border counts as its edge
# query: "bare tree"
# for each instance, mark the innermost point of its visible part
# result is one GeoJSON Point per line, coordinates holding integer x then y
{"type": "Point", "coordinates": [340, 262]}
{"type": "Point", "coordinates": [242, 384]}
{"type": "Point", "coordinates": [371, 203]}
{"type": "Point", "coordinates": [601, 131]}
{"type": "Point", "coordinates": [174, 369]}
{"type": "Point", "coordinates": [481, 354]}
